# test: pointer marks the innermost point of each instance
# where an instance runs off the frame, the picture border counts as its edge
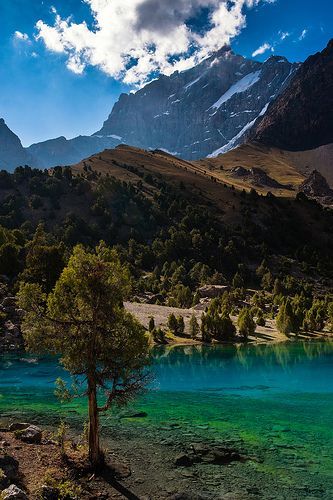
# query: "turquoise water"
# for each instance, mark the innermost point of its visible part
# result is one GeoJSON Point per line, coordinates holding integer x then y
{"type": "Point", "coordinates": [276, 401]}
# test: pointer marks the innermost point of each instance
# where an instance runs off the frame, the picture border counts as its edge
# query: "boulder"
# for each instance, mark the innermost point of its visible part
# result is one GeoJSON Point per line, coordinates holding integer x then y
{"type": "Point", "coordinates": [49, 493]}
{"type": "Point", "coordinates": [9, 302]}
{"type": "Point", "coordinates": [31, 434]}
{"type": "Point", "coordinates": [211, 291]}
{"type": "Point", "coordinates": [183, 460]}
{"type": "Point", "coordinates": [12, 330]}
{"type": "Point", "coordinates": [13, 493]}
{"type": "Point", "coordinates": [18, 426]}
{"type": "Point", "coordinates": [9, 466]}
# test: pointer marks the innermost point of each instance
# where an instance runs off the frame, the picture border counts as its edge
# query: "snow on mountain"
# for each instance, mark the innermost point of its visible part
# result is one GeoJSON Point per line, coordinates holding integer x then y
{"type": "Point", "coordinates": [240, 86]}
{"type": "Point", "coordinates": [202, 110]}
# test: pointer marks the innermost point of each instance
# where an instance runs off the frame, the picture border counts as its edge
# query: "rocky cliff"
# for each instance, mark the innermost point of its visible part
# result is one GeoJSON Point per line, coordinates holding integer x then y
{"type": "Point", "coordinates": [204, 111]}
{"type": "Point", "coordinates": [301, 118]}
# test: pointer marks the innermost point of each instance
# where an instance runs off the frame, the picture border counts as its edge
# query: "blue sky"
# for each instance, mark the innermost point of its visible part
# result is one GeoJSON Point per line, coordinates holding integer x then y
{"type": "Point", "coordinates": [66, 81]}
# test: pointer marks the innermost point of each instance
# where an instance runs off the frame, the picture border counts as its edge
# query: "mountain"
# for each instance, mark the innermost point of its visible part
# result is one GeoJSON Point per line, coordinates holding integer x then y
{"type": "Point", "coordinates": [202, 111]}
{"type": "Point", "coordinates": [62, 151]}
{"type": "Point", "coordinates": [301, 118]}
{"type": "Point", "coordinates": [12, 153]}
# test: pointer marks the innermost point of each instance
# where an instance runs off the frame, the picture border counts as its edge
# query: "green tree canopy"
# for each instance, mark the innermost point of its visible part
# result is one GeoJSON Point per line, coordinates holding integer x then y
{"type": "Point", "coordinates": [83, 320]}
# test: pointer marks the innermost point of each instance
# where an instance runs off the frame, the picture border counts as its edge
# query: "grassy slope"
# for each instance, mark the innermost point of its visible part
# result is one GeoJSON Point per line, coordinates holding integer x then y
{"type": "Point", "coordinates": [286, 167]}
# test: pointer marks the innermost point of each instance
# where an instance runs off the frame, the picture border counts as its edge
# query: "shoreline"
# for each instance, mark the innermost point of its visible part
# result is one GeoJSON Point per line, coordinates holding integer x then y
{"type": "Point", "coordinates": [252, 341]}
{"type": "Point", "coordinates": [280, 338]}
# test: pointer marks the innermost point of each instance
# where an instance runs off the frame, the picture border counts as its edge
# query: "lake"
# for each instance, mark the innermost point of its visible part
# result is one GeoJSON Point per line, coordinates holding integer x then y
{"type": "Point", "coordinates": [275, 401]}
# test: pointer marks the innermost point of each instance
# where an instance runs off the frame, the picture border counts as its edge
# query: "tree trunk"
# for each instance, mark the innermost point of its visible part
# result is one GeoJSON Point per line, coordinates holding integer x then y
{"type": "Point", "coordinates": [95, 454]}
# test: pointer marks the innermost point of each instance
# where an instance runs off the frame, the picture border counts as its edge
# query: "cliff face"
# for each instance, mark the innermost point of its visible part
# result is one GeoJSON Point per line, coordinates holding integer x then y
{"type": "Point", "coordinates": [301, 118]}
{"type": "Point", "coordinates": [204, 111]}
{"type": "Point", "coordinates": [12, 153]}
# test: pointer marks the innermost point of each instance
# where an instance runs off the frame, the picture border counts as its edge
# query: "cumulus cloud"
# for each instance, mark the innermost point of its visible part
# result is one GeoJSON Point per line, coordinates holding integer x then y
{"type": "Point", "coordinates": [262, 49]}
{"type": "Point", "coordinates": [18, 35]}
{"type": "Point", "coordinates": [133, 39]}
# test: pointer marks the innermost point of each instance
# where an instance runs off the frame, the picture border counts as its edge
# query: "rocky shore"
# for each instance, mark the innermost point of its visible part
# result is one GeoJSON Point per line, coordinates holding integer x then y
{"type": "Point", "coordinates": [169, 463]}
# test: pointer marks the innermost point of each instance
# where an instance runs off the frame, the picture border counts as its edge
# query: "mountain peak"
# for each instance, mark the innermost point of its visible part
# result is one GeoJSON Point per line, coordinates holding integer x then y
{"type": "Point", "coordinates": [12, 153]}
{"type": "Point", "coordinates": [195, 113]}
{"type": "Point", "coordinates": [301, 117]}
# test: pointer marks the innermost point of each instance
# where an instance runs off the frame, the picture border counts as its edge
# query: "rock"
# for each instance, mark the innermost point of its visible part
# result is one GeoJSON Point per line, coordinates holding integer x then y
{"type": "Point", "coordinates": [226, 457]}
{"type": "Point", "coordinates": [9, 302]}
{"type": "Point", "coordinates": [316, 186]}
{"type": "Point", "coordinates": [4, 481]}
{"type": "Point", "coordinates": [13, 493]}
{"type": "Point", "coordinates": [186, 496]}
{"type": "Point", "coordinates": [211, 291]}
{"type": "Point", "coordinates": [9, 465]}
{"type": "Point", "coordinates": [18, 426]}
{"type": "Point", "coordinates": [49, 493]}
{"type": "Point", "coordinates": [141, 414]}
{"type": "Point", "coordinates": [183, 460]}
{"type": "Point", "coordinates": [31, 434]}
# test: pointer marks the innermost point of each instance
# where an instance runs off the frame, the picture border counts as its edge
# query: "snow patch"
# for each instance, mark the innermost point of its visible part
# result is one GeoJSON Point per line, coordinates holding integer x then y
{"type": "Point", "coordinates": [189, 85]}
{"type": "Point", "coordinates": [239, 87]}
{"type": "Point", "coordinates": [233, 142]}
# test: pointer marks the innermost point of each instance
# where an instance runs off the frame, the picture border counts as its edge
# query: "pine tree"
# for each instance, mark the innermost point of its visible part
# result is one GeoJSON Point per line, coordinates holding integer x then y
{"type": "Point", "coordinates": [194, 327]}
{"type": "Point", "coordinates": [83, 320]}
{"type": "Point", "coordinates": [285, 320]}
{"type": "Point", "coordinates": [173, 324]}
{"type": "Point", "coordinates": [246, 323]}
{"type": "Point", "coordinates": [180, 325]}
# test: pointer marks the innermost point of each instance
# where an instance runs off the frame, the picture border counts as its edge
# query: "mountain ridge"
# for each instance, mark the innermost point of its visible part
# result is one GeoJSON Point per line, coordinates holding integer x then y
{"type": "Point", "coordinates": [301, 116]}
{"type": "Point", "coordinates": [197, 112]}
{"type": "Point", "coordinates": [190, 114]}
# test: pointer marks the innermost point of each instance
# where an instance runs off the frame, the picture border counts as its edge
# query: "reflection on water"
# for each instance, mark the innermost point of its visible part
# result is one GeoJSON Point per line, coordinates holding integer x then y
{"type": "Point", "coordinates": [283, 367]}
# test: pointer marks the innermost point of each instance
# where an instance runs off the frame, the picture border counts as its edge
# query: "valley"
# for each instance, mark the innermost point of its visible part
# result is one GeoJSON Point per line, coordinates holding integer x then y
{"type": "Point", "coordinates": [166, 283]}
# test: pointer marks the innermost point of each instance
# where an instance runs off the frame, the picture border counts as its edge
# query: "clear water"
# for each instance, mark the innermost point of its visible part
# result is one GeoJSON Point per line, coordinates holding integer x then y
{"type": "Point", "coordinates": [276, 400]}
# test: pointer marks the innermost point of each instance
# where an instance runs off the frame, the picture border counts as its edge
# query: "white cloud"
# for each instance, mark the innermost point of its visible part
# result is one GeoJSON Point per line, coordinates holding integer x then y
{"type": "Point", "coordinates": [131, 39]}
{"type": "Point", "coordinates": [262, 49]}
{"type": "Point", "coordinates": [303, 34]}
{"type": "Point", "coordinates": [18, 35]}
{"type": "Point", "coordinates": [283, 35]}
